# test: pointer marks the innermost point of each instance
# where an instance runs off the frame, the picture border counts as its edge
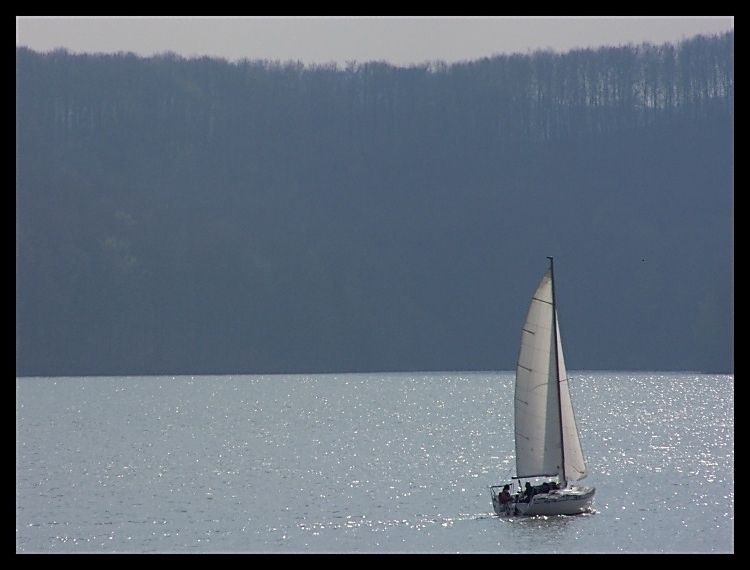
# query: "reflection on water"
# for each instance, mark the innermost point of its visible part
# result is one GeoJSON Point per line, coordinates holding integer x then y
{"type": "Point", "coordinates": [361, 463]}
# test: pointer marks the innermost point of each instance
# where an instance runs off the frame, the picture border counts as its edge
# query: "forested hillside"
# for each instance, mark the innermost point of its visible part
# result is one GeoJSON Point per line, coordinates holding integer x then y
{"type": "Point", "coordinates": [196, 216]}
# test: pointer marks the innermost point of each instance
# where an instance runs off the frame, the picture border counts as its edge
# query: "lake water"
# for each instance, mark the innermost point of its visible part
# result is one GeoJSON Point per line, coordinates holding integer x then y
{"type": "Point", "coordinates": [361, 463]}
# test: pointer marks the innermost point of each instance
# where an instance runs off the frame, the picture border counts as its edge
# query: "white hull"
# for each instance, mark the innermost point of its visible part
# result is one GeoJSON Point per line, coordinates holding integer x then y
{"type": "Point", "coordinates": [569, 502]}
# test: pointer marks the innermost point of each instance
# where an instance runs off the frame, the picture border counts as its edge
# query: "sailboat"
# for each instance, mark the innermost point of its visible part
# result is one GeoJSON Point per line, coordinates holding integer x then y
{"type": "Point", "coordinates": [548, 446]}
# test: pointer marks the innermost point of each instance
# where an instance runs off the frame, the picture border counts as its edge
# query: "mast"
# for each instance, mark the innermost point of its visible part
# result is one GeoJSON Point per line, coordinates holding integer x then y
{"type": "Point", "coordinates": [564, 482]}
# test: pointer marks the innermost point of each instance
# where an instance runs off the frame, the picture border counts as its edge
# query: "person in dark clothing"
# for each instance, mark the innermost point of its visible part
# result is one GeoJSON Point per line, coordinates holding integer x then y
{"type": "Point", "coordinates": [504, 497]}
{"type": "Point", "coordinates": [506, 500]}
{"type": "Point", "coordinates": [528, 493]}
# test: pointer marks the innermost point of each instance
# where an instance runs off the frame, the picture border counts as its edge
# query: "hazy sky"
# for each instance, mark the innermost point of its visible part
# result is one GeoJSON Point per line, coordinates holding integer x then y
{"type": "Point", "coordinates": [325, 39]}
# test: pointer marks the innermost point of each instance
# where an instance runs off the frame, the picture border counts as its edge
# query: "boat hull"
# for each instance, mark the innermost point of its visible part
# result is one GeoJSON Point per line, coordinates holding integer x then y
{"type": "Point", "coordinates": [568, 502]}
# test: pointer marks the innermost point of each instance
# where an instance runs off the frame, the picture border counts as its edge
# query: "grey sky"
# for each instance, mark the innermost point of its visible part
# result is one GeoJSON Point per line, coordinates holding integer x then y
{"type": "Point", "coordinates": [398, 40]}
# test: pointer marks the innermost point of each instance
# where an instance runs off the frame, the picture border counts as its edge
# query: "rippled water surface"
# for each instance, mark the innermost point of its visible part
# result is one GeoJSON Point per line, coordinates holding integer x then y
{"type": "Point", "coordinates": [361, 463]}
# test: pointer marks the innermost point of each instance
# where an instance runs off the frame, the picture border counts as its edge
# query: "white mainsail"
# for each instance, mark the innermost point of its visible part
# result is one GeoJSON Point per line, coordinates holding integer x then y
{"type": "Point", "coordinates": [547, 442]}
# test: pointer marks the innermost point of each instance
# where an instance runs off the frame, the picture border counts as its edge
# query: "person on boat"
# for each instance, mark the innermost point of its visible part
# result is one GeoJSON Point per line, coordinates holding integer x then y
{"type": "Point", "coordinates": [504, 497]}
{"type": "Point", "coordinates": [528, 493]}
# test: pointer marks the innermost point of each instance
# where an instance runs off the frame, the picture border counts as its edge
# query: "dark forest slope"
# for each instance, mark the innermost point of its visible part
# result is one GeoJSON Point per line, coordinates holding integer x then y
{"type": "Point", "coordinates": [201, 217]}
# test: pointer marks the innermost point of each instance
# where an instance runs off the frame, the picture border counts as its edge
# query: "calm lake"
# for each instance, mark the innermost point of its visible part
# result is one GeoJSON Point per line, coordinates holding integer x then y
{"type": "Point", "coordinates": [361, 463]}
